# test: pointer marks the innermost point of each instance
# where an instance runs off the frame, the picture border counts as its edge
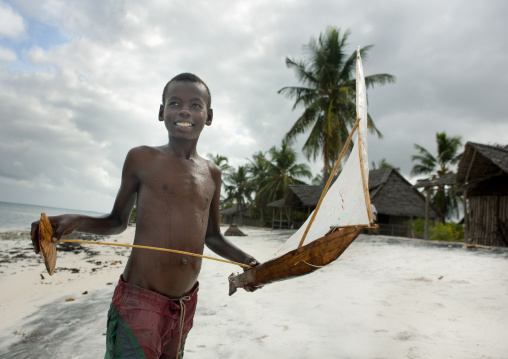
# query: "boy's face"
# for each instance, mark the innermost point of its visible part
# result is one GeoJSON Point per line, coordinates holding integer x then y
{"type": "Point", "coordinates": [185, 112]}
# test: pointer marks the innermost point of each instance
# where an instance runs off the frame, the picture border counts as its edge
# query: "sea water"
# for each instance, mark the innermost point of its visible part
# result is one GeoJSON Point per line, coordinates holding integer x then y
{"type": "Point", "coordinates": [19, 217]}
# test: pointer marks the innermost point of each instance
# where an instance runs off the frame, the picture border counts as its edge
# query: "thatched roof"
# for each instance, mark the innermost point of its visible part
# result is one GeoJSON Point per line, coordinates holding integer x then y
{"type": "Point", "coordinates": [234, 210]}
{"type": "Point", "coordinates": [480, 162]}
{"type": "Point", "coordinates": [446, 180]}
{"type": "Point", "coordinates": [303, 195]}
{"type": "Point", "coordinates": [277, 204]}
{"type": "Point", "coordinates": [391, 193]}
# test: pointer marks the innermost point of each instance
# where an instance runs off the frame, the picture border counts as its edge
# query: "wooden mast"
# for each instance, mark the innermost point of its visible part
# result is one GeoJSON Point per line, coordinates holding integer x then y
{"type": "Point", "coordinates": [365, 180]}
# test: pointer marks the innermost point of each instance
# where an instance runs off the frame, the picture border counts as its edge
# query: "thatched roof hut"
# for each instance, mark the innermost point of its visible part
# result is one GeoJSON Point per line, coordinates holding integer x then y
{"type": "Point", "coordinates": [395, 198]}
{"type": "Point", "coordinates": [236, 215]}
{"type": "Point", "coordinates": [482, 175]}
{"type": "Point", "coordinates": [284, 212]}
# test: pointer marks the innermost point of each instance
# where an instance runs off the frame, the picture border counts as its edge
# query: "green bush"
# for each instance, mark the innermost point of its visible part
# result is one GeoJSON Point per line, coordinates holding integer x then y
{"type": "Point", "coordinates": [417, 225]}
{"type": "Point", "coordinates": [458, 231]}
{"type": "Point", "coordinates": [447, 232]}
{"type": "Point", "coordinates": [437, 231]}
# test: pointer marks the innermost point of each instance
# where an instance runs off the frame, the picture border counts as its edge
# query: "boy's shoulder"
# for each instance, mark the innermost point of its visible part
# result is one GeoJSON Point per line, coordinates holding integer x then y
{"type": "Point", "coordinates": [143, 155]}
{"type": "Point", "coordinates": [215, 170]}
{"type": "Point", "coordinates": [147, 151]}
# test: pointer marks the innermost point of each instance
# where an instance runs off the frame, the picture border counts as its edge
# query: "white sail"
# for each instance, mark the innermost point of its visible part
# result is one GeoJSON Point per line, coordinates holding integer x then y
{"type": "Point", "coordinates": [345, 202]}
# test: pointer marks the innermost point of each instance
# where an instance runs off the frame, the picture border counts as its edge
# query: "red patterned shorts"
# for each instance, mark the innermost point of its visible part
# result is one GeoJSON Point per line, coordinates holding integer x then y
{"type": "Point", "coordinates": [146, 324]}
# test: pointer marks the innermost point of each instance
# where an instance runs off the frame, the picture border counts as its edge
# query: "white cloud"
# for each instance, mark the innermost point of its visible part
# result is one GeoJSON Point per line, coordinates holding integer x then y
{"type": "Point", "coordinates": [7, 55]}
{"type": "Point", "coordinates": [69, 122]}
{"type": "Point", "coordinates": [11, 23]}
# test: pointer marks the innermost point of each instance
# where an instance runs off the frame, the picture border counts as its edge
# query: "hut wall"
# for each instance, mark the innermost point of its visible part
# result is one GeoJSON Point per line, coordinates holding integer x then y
{"type": "Point", "coordinates": [488, 220]}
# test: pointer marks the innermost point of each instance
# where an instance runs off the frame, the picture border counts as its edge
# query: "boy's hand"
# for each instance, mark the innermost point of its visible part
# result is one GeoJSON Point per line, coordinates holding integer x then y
{"type": "Point", "coordinates": [253, 263]}
{"type": "Point", "coordinates": [62, 225]}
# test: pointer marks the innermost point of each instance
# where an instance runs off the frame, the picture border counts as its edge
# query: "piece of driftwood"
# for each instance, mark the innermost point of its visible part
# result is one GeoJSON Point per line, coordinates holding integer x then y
{"type": "Point", "coordinates": [303, 260]}
{"type": "Point", "coordinates": [233, 230]}
{"type": "Point", "coordinates": [47, 247]}
{"type": "Point", "coordinates": [469, 246]}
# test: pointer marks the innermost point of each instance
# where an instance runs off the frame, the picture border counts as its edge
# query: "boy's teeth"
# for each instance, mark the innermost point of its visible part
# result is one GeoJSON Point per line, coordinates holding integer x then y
{"type": "Point", "coordinates": [184, 124]}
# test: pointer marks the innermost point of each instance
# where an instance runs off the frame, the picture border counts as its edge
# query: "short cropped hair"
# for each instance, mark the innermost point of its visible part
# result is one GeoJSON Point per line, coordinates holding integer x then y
{"type": "Point", "coordinates": [187, 77]}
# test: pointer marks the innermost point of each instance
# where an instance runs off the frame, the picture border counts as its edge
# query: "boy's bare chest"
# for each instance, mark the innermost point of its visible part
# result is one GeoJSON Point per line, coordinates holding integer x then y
{"type": "Point", "coordinates": [176, 181]}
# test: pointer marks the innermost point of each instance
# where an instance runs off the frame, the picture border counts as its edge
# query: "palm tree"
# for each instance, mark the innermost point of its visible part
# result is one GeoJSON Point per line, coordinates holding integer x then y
{"type": "Point", "coordinates": [220, 161]}
{"type": "Point", "coordinates": [223, 163]}
{"type": "Point", "coordinates": [238, 187]}
{"type": "Point", "coordinates": [282, 172]}
{"type": "Point", "coordinates": [384, 164]}
{"type": "Point", "coordinates": [328, 95]}
{"type": "Point", "coordinates": [443, 198]}
{"type": "Point", "coordinates": [258, 168]}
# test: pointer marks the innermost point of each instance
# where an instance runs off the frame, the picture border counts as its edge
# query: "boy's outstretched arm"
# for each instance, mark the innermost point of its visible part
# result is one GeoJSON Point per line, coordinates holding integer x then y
{"type": "Point", "coordinates": [112, 223]}
{"type": "Point", "coordinates": [214, 238]}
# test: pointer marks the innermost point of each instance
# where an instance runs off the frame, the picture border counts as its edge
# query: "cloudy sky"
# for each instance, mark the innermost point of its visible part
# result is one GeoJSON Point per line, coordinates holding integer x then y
{"type": "Point", "coordinates": [81, 81]}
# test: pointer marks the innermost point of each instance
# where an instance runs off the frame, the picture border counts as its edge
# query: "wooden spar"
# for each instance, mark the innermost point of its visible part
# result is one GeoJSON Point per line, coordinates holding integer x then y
{"type": "Point", "coordinates": [323, 194]}
{"type": "Point", "coordinates": [153, 248]}
{"type": "Point", "coordinates": [365, 181]}
{"type": "Point", "coordinates": [356, 225]}
{"type": "Point", "coordinates": [48, 248]}
{"type": "Point", "coordinates": [364, 178]}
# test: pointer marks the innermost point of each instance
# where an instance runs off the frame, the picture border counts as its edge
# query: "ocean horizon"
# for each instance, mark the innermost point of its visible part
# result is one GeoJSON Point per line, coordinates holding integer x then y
{"type": "Point", "coordinates": [19, 216]}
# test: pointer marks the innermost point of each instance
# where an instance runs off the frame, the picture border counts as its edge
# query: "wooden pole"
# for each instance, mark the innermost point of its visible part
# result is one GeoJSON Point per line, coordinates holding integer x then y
{"type": "Point", "coordinates": [466, 216]}
{"type": "Point", "coordinates": [427, 205]}
{"type": "Point", "coordinates": [365, 180]}
{"type": "Point", "coordinates": [330, 178]}
{"type": "Point", "coordinates": [153, 248]}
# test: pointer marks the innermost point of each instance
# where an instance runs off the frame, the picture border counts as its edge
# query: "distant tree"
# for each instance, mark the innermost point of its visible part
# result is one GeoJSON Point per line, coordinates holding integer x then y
{"type": "Point", "coordinates": [258, 168]}
{"type": "Point", "coordinates": [238, 187]}
{"type": "Point", "coordinates": [384, 164]}
{"type": "Point", "coordinates": [317, 179]}
{"type": "Point", "coordinates": [328, 95]}
{"type": "Point", "coordinates": [444, 198]}
{"type": "Point", "coordinates": [221, 161]}
{"type": "Point", "coordinates": [283, 171]}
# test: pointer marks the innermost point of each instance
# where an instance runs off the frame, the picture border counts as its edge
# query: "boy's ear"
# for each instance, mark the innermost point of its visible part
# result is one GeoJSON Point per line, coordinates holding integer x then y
{"type": "Point", "coordinates": [209, 117]}
{"type": "Point", "coordinates": [161, 113]}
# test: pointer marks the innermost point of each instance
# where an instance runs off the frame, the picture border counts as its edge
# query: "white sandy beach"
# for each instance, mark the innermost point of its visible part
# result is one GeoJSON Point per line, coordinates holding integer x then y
{"type": "Point", "coordinates": [384, 298]}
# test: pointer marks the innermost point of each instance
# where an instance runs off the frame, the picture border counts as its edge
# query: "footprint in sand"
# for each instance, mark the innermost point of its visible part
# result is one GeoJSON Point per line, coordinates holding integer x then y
{"type": "Point", "coordinates": [404, 336]}
{"type": "Point", "coordinates": [260, 339]}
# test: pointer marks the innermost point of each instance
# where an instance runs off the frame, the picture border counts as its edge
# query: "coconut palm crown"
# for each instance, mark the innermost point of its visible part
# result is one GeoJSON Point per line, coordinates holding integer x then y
{"type": "Point", "coordinates": [328, 95]}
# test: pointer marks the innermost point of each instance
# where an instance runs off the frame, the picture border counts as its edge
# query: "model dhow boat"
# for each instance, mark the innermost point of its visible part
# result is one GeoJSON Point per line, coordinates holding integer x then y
{"type": "Point", "coordinates": [343, 211]}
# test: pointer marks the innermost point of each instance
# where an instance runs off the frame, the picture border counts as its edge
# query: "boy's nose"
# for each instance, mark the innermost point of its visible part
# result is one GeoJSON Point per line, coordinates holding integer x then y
{"type": "Point", "coordinates": [184, 112]}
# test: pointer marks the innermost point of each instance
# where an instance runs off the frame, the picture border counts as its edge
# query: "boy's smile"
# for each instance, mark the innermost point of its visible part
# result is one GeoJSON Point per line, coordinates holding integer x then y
{"type": "Point", "coordinates": [184, 124]}
{"type": "Point", "coordinates": [185, 112]}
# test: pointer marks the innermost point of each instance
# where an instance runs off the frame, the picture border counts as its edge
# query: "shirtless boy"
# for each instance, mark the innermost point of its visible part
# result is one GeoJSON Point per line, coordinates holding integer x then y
{"type": "Point", "coordinates": [178, 196]}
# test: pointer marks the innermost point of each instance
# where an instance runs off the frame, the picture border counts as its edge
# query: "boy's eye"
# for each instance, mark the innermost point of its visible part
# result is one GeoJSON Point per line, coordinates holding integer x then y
{"type": "Point", "coordinates": [173, 103]}
{"type": "Point", "coordinates": [196, 105]}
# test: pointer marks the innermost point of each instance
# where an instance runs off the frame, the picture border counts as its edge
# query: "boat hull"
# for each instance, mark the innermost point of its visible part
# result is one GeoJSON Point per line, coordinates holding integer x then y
{"type": "Point", "coordinates": [298, 262]}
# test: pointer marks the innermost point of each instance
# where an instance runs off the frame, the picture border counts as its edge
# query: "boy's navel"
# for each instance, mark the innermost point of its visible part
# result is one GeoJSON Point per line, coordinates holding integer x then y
{"type": "Point", "coordinates": [183, 261]}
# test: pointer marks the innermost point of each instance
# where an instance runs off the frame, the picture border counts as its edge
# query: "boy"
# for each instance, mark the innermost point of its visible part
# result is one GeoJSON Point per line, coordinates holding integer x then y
{"type": "Point", "coordinates": [178, 196]}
